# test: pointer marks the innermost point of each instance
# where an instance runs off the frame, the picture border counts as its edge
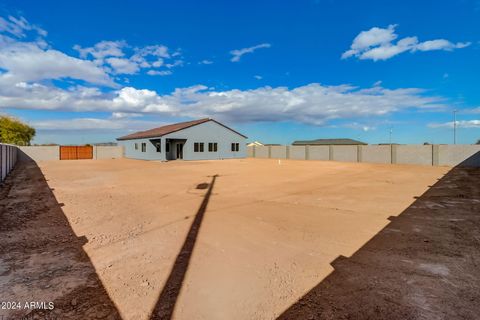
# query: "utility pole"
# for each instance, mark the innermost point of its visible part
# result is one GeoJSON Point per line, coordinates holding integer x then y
{"type": "Point", "coordinates": [390, 135]}
{"type": "Point", "coordinates": [455, 126]}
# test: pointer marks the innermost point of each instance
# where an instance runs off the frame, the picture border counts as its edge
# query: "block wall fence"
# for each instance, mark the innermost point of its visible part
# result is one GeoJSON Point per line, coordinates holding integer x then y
{"type": "Point", "coordinates": [8, 159]}
{"type": "Point", "coordinates": [45, 153]}
{"type": "Point", "coordinates": [432, 155]}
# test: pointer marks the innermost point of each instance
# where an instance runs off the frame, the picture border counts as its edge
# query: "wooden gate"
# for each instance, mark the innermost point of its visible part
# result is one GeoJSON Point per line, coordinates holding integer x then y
{"type": "Point", "coordinates": [76, 152]}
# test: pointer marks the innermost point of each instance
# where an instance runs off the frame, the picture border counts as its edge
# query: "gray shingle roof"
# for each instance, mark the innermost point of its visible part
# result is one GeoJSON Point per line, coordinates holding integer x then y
{"type": "Point", "coordinates": [161, 131]}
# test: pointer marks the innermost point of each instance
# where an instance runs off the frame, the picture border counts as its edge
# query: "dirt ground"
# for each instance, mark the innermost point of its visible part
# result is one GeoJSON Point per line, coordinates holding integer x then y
{"type": "Point", "coordinates": [235, 239]}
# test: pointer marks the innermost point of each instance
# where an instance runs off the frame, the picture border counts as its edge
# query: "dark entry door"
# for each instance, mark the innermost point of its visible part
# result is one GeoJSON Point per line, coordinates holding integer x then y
{"type": "Point", "coordinates": [179, 151]}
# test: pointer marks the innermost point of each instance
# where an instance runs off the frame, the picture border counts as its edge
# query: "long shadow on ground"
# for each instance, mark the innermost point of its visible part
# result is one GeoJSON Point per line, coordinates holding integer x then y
{"type": "Point", "coordinates": [43, 261]}
{"type": "Point", "coordinates": [171, 290]}
{"type": "Point", "coordinates": [424, 265]}
{"type": "Point", "coordinates": [41, 258]}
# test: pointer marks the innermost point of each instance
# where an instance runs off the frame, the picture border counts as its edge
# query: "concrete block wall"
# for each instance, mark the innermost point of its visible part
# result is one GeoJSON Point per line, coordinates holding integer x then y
{"type": "Point", "coordinates": [278, 152]}
{"type": "Point", "coordinates": [297, 152]}
{"type": "Point", "coordinates": [442, 155]}
{"type": "Point", "coordinates": [40, 153]}
{"type": "Point", "coordinates": [47, 153]}
{"type": "Point", "coordinates": [344, 153]}
{"type": "Point", "coordinates": [261, 151]}
{"type": "Point", "coordinates": [413, 154]}
{"type": "Point", "coordinates": [8, 159]}
{"type": "Point", "coordinates": [107, 152]}
{"type": "Point", "coordinates": [318, 152]}
{"type": "Point", "coordinates": [376, 154]}
{"type": "Point", "coordinates": [452, 155]}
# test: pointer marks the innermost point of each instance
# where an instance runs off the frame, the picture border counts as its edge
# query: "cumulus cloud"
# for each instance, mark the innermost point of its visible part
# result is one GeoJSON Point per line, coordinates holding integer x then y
{"type": "Point", "coordinates": [378, 44]}
{"type": "Point", "coordinates": [29, 66]}
{"type": "Point", "coordinates": [312, 104]}
{"type": "Point", "coordinates": [93, 124]}
{"type": "Point", "coordinates": [460, 124]}
{"type": "Point", "coordinates": [102, 50]}
{"type": "Point", "coordinates": [113, 57]}
{"type": "Point", "coordinates": [27, 62]}
{"type": "Point", "coordinates": [238, 53]}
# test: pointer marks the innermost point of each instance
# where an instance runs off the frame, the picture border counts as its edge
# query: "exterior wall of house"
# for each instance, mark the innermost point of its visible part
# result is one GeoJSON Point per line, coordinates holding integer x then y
{"type": "Point", "coordinates": [205, 132]}
{"type": "Point", "coordinates": [209, 132]}
{"type": "Point", "coordinates": [150, 153]}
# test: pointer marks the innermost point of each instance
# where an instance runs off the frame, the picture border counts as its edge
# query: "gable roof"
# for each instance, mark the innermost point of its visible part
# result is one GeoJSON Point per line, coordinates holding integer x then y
{"type": "Point", "coordinates": [328, 142]}
{"type": "Point", "coordinates": [161, 131]}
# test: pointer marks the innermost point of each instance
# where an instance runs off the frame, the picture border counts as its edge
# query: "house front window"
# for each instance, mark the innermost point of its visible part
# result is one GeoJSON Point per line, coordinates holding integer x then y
{"type": "Point", "coordinates": [212, 147]}
{"type": "Point", "coordinates": [144, 147]}
{"type": "Point", "coordinates": [198, 147]}
{"type": "Point", "coordinates": [235, 147]}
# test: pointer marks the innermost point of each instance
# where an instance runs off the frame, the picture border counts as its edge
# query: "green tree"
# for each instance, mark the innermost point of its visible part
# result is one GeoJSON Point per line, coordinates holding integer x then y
{"type": "Point", "coordinates": [15, 131]}
{"type": "Point", "coordinates": [478, 141]}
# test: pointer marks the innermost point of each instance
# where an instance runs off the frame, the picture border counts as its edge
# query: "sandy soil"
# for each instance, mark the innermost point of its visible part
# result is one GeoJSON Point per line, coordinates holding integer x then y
{"type": "Point", "coordinates": [106, 239]}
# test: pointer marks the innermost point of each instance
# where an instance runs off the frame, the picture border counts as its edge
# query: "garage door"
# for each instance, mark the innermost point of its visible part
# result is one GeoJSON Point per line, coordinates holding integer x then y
{"type": "Point", "coordinates": [76, 152]}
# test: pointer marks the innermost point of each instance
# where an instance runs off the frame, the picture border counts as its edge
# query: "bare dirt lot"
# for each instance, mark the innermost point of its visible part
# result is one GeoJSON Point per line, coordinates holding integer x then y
{"type": "Point", "coordinates": [240, 239]}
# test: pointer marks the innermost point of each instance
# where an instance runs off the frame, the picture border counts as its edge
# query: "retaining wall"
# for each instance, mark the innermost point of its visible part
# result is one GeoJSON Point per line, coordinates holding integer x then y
{"type": "Point", "coordinates": [8, 159]}
{"type": "Point", "coordinates": [442, 155]}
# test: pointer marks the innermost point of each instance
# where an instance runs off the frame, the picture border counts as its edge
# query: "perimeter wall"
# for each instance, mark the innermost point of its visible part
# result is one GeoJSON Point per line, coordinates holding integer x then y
{"type": "Point", "coordinates": [431, 155]}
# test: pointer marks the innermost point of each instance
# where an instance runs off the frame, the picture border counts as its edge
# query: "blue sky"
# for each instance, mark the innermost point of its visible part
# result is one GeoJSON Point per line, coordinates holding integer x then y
{"type": "Point", "coordinates": [90, 71]}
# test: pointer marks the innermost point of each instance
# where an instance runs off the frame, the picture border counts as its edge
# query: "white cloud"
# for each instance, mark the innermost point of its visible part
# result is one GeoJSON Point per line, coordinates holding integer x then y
{"type": "Point", "coordinates": [258, 77]}
{"type": "Point", "coordinates": [18, 26]}
{"type": "Point", "coordinates": [159, 73]}
{"type": "Point", "coordinates": [206, 61]}
{"type": "Point", "coordinates": [125, 115]}
{"type": "Point", "coordinates": [238, 53]}
{"type": "Point", "coordinates": [31, 65]}
{"type": "Point", "coordinates": [27, 58]}
{"type": "Point", "coordinates": [460, 124]}
{"type": "Point", "coordinates": [378, 44]}
{"type": "Point", "coordinates": [112, 56]}
{"type": "Point", "coordinates": [27, 62]}
{"type": "Point", "coordinates": [102, 50]}
{"type": "Point", "coordinates": [93, 124]}
{"type": "Point", "coordinates": [359, 126]}
{"type": "Point", "coordinates": [122, 65]}
{"type": "Point", "coordinates": [441, 44]}
{"type": "Point", "coordinates": [312, 104]}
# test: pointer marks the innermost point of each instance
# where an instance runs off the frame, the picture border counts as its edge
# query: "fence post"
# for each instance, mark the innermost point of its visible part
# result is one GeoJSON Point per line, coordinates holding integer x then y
{"type": "Point", "coordinates": [330, 152]}
{"type": "Point", "coordinates": [435, 154]}
{"type": "Point", "coordinates": [254, 151]}
{"type": "Point", "coordinates": [1, 163]}
{"type": "Point", "coordinates": [393, 154]}
{"type": "Point", "coordinates": [287, 152]}
{"type": "Point", "coordinates": [269, 152]}
{"type": "Point", "coordinates": [359, 153]}
{"type": "Point", "coordinates": [307, 152]}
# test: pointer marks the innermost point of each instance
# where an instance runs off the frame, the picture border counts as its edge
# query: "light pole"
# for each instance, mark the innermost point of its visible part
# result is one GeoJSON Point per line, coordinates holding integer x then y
{"type": "Point", "coordinates": [455, 126]}
{"type": "Point", "coordinates": [390, 135]}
